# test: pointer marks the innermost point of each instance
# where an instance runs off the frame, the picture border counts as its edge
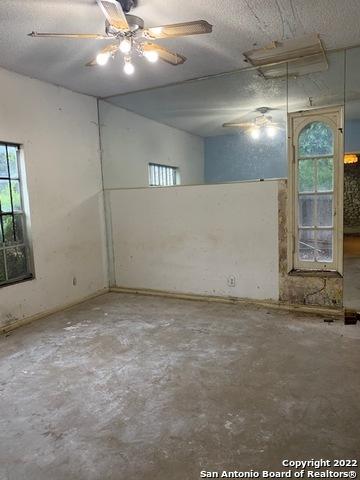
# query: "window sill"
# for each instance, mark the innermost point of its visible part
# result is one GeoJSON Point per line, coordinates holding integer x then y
{"type": "Point", "coordinates": [28, 278]}
{"type": "Point", "coordinates": [315, 273]}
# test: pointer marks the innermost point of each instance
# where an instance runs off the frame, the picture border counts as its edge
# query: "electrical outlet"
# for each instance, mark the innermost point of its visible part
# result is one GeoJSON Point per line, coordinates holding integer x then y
{"type": "Point", "coordinates": [231, 281]}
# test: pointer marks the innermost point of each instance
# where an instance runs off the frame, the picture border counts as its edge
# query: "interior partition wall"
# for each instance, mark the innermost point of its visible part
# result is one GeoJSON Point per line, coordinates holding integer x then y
{"type": "Point", "coordinates": [229, 158]}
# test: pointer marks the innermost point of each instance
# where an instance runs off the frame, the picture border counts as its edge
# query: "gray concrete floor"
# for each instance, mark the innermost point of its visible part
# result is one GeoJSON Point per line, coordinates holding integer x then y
{"type": "Point", "coordinates": [352, 272]}
{"type": "Point", "coordinates": [128, 387]}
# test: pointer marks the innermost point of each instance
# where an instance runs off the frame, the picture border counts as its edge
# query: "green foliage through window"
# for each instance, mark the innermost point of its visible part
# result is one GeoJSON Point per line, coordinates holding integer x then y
{"type": "Point", "coordinates": [316, 139]}
{"type": "Point", "coordinates": [13, 249]}
{"type": "Point", "coordinates": [315, 187]}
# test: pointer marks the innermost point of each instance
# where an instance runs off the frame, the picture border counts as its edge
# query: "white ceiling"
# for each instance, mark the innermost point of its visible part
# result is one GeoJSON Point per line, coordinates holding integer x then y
{"type": "Point", "coordinates": [238, 26]}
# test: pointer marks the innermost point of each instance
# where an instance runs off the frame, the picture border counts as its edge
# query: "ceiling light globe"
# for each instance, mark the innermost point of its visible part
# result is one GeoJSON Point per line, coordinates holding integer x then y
{"type": "Point", "coordinates": [151, 55]}
{"type": "Point", "coordinates": [129, 68]}
{"type": "Point", "coordinates": [255, 133]}
{"type": "Point", "coordinates": [125, 46]}
{"type": "Point", "coordinates": [157, 30]}
{"type": "Point", "coordinates": [271, 131]}
{"type": "Point", "coordinates": [102, 58]}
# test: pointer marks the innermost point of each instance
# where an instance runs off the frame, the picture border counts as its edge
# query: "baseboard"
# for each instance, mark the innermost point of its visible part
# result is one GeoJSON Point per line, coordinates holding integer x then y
{"type": "Point", "coordinates": [311, 309]}
{"type": "Point", "coordinates": [62, 308]}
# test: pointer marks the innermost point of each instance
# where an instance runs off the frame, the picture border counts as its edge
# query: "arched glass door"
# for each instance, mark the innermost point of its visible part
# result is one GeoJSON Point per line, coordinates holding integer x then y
{"type": "Point", "coordinates": [315, 171]}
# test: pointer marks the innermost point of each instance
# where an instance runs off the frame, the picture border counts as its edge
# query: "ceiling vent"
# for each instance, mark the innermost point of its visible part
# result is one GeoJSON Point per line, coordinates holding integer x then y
{"type": "Point", "coordinates": [302, 55]}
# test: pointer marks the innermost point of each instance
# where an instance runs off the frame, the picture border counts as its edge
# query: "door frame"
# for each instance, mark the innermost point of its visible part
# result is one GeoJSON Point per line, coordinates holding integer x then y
{"type": "Point", "coordinates": [296, 121]}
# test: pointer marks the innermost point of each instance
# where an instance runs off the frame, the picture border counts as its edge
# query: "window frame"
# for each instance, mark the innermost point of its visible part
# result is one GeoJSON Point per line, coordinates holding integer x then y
{"type": "Point", "coordinates": [297, 121]}
{"type": "Point", "coordinates": [24, 213]}
{"type": "Point", "coordinates": [174, 170]}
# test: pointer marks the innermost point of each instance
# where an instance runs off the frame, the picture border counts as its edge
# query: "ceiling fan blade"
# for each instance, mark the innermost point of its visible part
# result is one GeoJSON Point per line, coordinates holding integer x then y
{"type": "Point", "coordinates": [114, 14]}
{"type": "Point", "coordinates": [179, 29]}
{"type": "Point", "coordinates": [112, 49]}
{"type": "Point", "coordinates": [165, 54]}
{"type": "Point", "coordinates": [239, 125]}
{"type": "Point", "coordinates": [95, 36]}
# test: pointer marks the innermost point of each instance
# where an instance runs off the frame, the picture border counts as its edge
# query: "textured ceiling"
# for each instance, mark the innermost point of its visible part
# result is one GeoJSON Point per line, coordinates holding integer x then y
{"type": "Point", "coordinates": [201, 107]}
{"type": "Point", "coordinates": [238, 26]}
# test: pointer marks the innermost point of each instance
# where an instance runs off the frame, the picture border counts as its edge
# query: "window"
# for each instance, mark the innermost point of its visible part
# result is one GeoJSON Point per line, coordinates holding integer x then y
{"type": "Point", "coordinates": [14, 248]}
{"type": "Point", "coordinates": [316, 176]}
{"type": "Point", "coordinates": [162, 175]}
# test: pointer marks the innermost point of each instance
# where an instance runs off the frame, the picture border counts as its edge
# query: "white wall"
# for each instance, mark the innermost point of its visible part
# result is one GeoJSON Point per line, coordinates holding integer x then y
{"type": "Point", "coordinates": [191, 239]}
{"type": "Point", "coordinates": [130, 142]}
{"type": "Point", "coordinates": [58, 129]}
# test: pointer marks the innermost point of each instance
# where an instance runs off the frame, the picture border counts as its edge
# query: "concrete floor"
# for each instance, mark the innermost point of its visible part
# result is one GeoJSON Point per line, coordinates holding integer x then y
{"type": "Point", "coordinates": [127, 387]}
{"type": "Point", "coordinates": [352, 272]}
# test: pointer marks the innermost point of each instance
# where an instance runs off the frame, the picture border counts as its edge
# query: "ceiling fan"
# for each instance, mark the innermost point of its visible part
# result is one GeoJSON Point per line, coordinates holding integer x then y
{"type": "Point", "coordinates": [260, 122]}
{"type": "Point", "coordinates": [132, 38]}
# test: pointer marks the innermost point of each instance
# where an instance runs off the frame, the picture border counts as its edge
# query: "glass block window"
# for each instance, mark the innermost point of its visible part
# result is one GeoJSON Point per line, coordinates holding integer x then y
{"type": "Point", "coordinates": [14, 247]}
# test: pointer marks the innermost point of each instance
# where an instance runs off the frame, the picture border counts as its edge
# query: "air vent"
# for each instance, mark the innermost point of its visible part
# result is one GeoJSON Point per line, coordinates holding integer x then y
{"type": "Point", "coordinates": [304, 55]}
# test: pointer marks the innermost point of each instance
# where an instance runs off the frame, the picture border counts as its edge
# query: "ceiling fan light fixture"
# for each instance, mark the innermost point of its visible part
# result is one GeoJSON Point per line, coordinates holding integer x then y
{"type": "Point", "coordinates": [129, 68]}
{"type": "Point", "coordinates": [271, 131]}
{"type": "Point", "coordinates": [157, 30]}
{"type": "Point", "coordinates": [130, 37]}
{"type": "Point", "coordinates": [255, 133]}
{"type": "Point", "coordinates": [125, 46]}
{"type": "Point", "coordinates": [102, 58]}
{"type": "Point", "coordinates": [151, 55]}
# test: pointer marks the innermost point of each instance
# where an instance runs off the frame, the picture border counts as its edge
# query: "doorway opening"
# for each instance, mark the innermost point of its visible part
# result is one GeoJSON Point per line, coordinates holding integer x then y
{"type": "Point", "coordinates": [352, 232]}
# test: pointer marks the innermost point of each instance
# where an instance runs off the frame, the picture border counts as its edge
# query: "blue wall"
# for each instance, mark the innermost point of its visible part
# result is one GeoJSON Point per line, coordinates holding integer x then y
{"type": "Point", "coordinates": [352, 136]}
{"type": "Point", "coordinates": [232, 158]}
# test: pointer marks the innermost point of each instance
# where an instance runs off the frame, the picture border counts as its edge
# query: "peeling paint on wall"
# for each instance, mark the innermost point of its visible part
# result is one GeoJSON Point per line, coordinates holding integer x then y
{"type": "Point", "coordinates": [320, 290]}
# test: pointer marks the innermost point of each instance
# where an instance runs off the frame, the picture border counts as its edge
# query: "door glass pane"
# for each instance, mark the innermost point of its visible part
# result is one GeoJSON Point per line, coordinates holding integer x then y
{"type": "Point", "coordinates": [324, 210]}
{"type": "Point", "coordinates": [316, 138]}
{"type": "Point", "coordinates": [307, 210]}
{"type": "Point", "coordinates": [3, 163]}
{"type": "Point", "coordinates": [306, 175]}
{"type": "Point", "coordinates": [16, 262]}
{"type": "Point", "coordinates": [307, 245]}
{"type": "Point", "coordinates": [325, 174]}
{"type": "Point", "coordinates": [5, 196]}
{"type": "Point", "coordinates": [324, 244]}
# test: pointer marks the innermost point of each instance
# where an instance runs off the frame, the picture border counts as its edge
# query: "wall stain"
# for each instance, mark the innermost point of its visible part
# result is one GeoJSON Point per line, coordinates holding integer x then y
{"type": "Point", "coordinates": [296, 289]}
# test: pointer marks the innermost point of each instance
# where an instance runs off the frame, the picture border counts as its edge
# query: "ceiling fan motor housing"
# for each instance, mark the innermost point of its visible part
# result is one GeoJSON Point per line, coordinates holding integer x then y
{"type": "Point", "coordinates": [135, 23]}
{"type": "Point", "coordinates": [263, 110]}
{"type": "Point", "coordinates": [127, 5]}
